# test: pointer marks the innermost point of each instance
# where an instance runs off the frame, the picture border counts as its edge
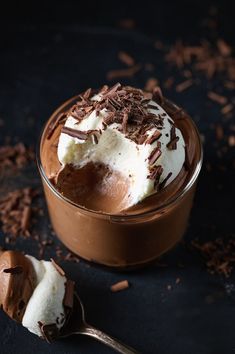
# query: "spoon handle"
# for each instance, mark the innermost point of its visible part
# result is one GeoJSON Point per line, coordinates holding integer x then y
{"type": "Point", "coordinates": [106, 339]}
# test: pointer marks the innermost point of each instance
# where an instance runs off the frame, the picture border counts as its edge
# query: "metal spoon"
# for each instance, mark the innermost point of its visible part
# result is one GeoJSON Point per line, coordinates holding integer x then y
{"type": "Point", "coordinates": [78, 325]}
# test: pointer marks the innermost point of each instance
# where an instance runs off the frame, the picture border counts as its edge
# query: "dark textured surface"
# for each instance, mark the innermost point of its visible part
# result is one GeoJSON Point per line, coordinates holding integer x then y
{"type": "Point", "coordinates": [44, 60]}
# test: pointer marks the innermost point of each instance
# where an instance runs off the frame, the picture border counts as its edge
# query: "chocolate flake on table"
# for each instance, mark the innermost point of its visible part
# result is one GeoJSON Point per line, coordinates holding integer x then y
{"type": "Point", "coordinates": [126, 58]}
{"type": "Point", "coordinates": [121, 285]}
{"type": "Point", "coordinates": [127, 23]}
{"type": "Point", "coordinates": [219, 255]}
{"type": "Point", "coordinates": [15, 212]}
{"type": "Point", "coordinates": [150, 84]}
{"type": "Point", "coordinates": [177, 280]}
{"type": "Point", "coordinates": [15, 156]}
{"type": "Point", "coordinates": [25, 218]}
{"type": "Point", "coordinates": [204, 57]}
{"type": "Point", "coordinates": [219, 132]}
{"type": "Point", "coordinates": [121, 73]}
{"type": "Point", "coordinates": [69, 294]}
{"type": "Point", "coordinates": [231, 140]}
{"type": "Point", "coordinates": [172, 145]}
{"type": "Point", "coordinates": [184, 85]}
{"type": "Point", "coordinates": [217, 98]}
{"type": "Point", "coordinates": [227, 109]}
{"type": "Point", "coordinates": [14, 270]}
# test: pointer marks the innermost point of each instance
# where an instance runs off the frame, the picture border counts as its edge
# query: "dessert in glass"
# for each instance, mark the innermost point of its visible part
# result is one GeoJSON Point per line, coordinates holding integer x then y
{"type": "Point", "coordinates": [119, 167]}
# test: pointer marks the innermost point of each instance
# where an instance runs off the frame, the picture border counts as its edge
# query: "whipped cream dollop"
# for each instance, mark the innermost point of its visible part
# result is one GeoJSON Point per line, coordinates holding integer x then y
{"type": "Point", "coordinates": [128, 131]}
{"type": "Point", "coordinates": [46, 303]}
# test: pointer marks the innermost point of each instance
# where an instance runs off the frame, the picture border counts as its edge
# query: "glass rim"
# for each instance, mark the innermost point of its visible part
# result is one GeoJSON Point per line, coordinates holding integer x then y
{"type": "Point", "coordinates": [171, 201]}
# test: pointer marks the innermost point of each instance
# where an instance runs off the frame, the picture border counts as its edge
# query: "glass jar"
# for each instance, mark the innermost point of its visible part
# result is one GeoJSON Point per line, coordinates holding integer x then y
{"type": "Point", "coordinates": [119, 241]}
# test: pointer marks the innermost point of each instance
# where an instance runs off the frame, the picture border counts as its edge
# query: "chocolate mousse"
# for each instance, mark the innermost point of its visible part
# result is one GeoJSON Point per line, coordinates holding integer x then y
{"type": "Point", "coordinates": [119, 167]}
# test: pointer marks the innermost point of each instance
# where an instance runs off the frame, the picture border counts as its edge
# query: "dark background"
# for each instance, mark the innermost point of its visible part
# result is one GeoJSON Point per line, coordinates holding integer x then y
{"type": "Point", "coordinates": [50, 51]}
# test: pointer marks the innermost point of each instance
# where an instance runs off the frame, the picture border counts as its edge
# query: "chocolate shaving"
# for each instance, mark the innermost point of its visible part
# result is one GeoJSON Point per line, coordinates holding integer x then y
{"type": "Point", "coordinates": [150, 84]}
{"type": "Point", "coordinates": [16, 212]}
{"type": "Point", "coordinates": [157, 95]}
{"type": "Point", "coordinates": [217, 98]}
{"type": "Point", "coordinates": [55, 123]}
{"type": "Point", "coordinates": [58, 268]}
{"type": "Point", "coordinates": [124, 122]}
{"type": "Point", "coordinates": [127, 106]}
{"type": "Point", "coordinates": [126, 58]}
{"type": "Point", "coordinates": [13, 270]}
{"type": "Point", "coordinates": [172, 145]}
{"type": "Point", "coordinates": [154, 156]}
{"type": "Point", "coordinates": [186, 160]}
{"type": "Point", "coordinates": [155, 172]}
{"type": "Point", "coordinates": [26, 218]}
{"type": "Point", "coordinates": [227, 109]}
{"type": "Point", "coordinates": [15, 157]}
{"type": "Point", "coordinates": [155, 136]}
{"type": "Point", "coordinates": [184, 85]}
{"type": "Point", "coordinates": [218, 255]}
{"type": "Point", "coordinates": [69, 294]}
{"type": "Point", "coordinates": [163, 183]}
{"type": "Point", "coordinates": [121, 285]}
{"type": "Point", "coordinates": [79, 134]}
{"type": "Point", "coordinates": [121, 73]}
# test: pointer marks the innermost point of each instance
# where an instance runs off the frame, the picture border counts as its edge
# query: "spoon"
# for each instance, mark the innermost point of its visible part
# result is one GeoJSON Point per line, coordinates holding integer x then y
{"type": "Point", "coordinates": [77, 325]}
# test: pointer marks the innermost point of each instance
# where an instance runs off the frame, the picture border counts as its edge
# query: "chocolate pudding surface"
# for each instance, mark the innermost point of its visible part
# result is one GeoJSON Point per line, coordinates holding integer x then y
{"type": "Point", "coordinates": [98, 189]}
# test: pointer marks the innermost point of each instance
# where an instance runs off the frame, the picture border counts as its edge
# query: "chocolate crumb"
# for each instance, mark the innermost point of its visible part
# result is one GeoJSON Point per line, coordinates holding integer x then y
{"type": "Point", "coordinates": [178, 280]}
{"type": "Point", "coordinates": [121, 285]}
{"type": "Point", "coordinates": [218, 255]}
{"type": "Point", "coordinates": [127, 23]}
{"type": "Point", "coordinates": [15, 156]}
{"type": "Point", "coordinates": [231, 140]}
{"type": "Point", "coordinates": [219, 132]}
{"type": "Point", "coordinates": [26, 218]}
{"type": "Point", "coordinates": [126, 58]}
{"type": "Point", "coordinates": [123, 73]}
{"type": "Point", "coordinates": [15, 212]}
{"type": "Point", "coordinates": [227, 109]}
{"type": "Point", "coordinates": [217, 98]}
{"type": "Point", "coordinates": [150, 84]}
{"type": "Point", "coordinates": [184, 85]}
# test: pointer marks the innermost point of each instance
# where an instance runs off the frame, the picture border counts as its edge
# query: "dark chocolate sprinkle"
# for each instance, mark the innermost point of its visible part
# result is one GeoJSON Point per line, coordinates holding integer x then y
{"type": "Point", "coordinates": [79, 134]}
{"type": "Point", "coordinates": [13, 270]}
{"type": "Point", "coordinates": [155, 154]}
{"type": "Point", "coordinates": [163, 183]}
